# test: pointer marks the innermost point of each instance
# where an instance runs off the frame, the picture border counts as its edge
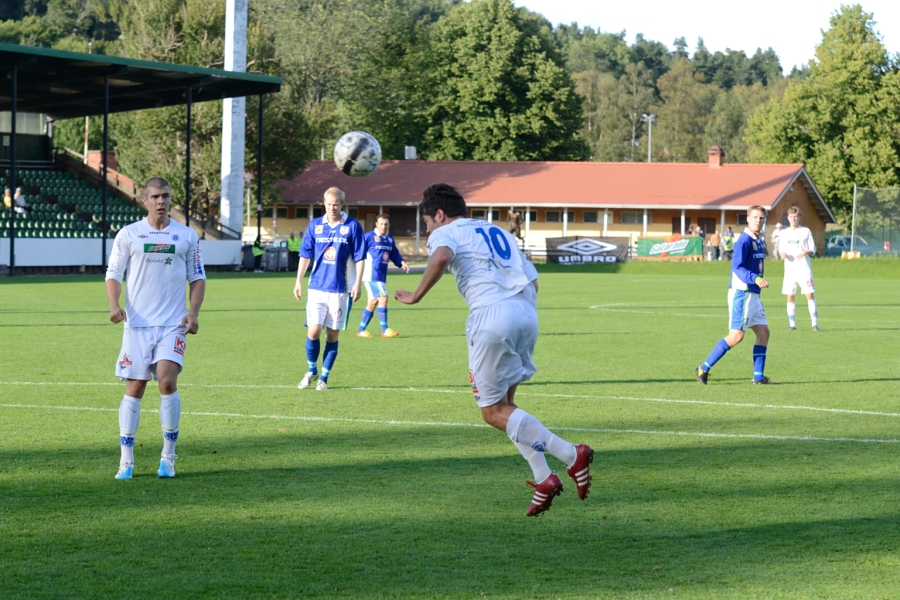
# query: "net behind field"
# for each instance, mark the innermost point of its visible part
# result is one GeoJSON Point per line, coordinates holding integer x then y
{"type": "Point", "coordinates": [876, 221]}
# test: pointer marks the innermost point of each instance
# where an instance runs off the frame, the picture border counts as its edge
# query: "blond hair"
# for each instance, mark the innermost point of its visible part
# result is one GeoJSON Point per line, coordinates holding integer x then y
{"type": "Point", "coordinates": [335, 193]}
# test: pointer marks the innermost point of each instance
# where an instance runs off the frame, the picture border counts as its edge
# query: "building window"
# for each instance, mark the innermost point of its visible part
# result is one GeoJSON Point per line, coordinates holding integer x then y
{"type": "Point", "coordinates": [479, 213]}
{"type": "Point", "coordinates": [318, 211]}
{"type": "Point", "coordinates": [281, 211]}
{"type": "Point", "coordinates": [589, 216]}
{"type": "Point", "coordinates": [636, 218]}
{"type": "Point", "coordinates": [353, 212]}
{"type": "Point", "coordinates": [301, 213]}
{"type": "Point", "coordinates": [532, 216]}
{"type": "Point", "coordinates": [742, 219]}
{"type": "Point", "coordinates": [267, 212]}
{"type": "Point", "coordinates": [552, 216]}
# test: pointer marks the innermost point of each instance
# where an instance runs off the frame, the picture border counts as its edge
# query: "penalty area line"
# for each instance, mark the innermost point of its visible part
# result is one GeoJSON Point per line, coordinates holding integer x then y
{"type": "Point", "coordinates": [394, 422]}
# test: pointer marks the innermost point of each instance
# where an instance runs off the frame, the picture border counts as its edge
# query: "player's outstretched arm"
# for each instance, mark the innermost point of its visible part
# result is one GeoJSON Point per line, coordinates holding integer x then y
{"type": "Point", "coordinates": [437, 264]}
{"type": "Point", "coordinates": [191, 322]}
{"type": "Point", "coordinates": [301, 271]}
{"type": "Point", "coordinates": [113, 292]}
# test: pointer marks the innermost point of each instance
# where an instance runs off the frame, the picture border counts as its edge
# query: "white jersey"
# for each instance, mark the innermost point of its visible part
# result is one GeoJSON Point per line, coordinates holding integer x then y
{"type": "Point", "coordinates": [794, 241]}
{"type": "Point", "coordinates": [157, 263]}
{"type": "Point", "coordinates": [487, 263]}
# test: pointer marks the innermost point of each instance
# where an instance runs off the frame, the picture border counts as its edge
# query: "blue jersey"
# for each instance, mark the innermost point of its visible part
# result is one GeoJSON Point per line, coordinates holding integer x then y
{"type": "Point", "coordinates": [380, 249]}
{"type": "Point", "coordinates": [747, 262]}
{"type": "Point", "coordinates": [329, 248]}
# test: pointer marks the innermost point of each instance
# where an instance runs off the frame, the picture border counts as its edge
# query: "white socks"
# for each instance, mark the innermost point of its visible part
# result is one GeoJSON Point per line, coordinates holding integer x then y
{"type": "Point", "coordinates": [169, 417]}
{"type": "Point", "coordinates": [522, 428]}
{"type": "Point", "coordinates": [537, 461]}
{"type": "Point", "coordinates": [792, 313]}
{"type": "Point", "coordinates": [129, 419]}
{"type": "Point", "coordinates": [813, 313]}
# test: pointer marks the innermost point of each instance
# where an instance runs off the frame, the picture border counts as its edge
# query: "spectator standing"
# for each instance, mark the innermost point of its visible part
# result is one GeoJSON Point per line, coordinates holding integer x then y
{"type": "Point", "coordinates": [728, 243]}
{"type": "Point", "coordinates": [714, 242]}
{"type": "Point", "coordinates": [776, 237]}
{"type": "Point", "coordinates": [258, 252]}
{"type": "Point", "coordinates": [293, 246]}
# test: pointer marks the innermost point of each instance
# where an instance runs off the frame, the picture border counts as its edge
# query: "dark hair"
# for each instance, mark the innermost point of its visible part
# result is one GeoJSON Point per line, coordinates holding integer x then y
{"type": "Point", "coordinates": [442, 196]}
{"type": "Point", "coordinates": [383, 216]}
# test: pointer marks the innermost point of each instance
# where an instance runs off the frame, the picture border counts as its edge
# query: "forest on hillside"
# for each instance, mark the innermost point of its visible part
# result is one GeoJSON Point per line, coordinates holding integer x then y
{"type": "Point", "coordinates": [484, 80]}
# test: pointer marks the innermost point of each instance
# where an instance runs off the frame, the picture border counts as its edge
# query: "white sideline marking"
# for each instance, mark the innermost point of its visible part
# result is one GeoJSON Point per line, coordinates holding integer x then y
{"type": "Point", "coordinates": [751, 436]}
{"type": "Point", "coordinates": [848, 411]}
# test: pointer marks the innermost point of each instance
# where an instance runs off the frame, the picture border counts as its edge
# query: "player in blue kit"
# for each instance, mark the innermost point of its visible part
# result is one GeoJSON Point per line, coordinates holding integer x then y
{"type": "Point", "coordinates": [330, 241]}
{"type": "Point", "coordinates": [380, 250]}
{"type": "Point", "coordinates": [744, 306]}
{"type": "Point", "coordinates": [500, 287]}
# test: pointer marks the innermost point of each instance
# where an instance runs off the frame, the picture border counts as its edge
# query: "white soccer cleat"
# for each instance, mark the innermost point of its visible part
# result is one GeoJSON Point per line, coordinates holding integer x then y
{"type": "Point", "coordinates": [167, 465]}
{"type": "Point", "coordinates": [321, 386]}
{"type": "Point", "coordinates": [307, 379]}
{"type": "Point", "coordinates": [125, 471]}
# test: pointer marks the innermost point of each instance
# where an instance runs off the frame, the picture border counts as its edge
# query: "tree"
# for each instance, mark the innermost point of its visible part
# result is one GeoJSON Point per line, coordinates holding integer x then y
{"type": "Point", "coordinates": [727, 123]}
{"type": "Point", "coordinates": [638, 84]}
{"type": "Point", "coordinates": [841, 121]}
{"type": "Point", "coordinates": [682, 115]}
{"type": "Point", "coordinates": [498, 90]}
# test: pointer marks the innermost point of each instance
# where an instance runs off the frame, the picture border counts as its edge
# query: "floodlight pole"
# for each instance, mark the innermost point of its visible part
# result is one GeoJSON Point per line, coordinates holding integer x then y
{"type": "Point", "coordinates": [853, 223]}
{"type": "Point", "coordinates": [103, 221]}
{"type": "Point", "coordinates": [259, 162]}
{"type": "Point", "coordinates": [12, 171]}
{"type": "Point", "coordinates": [187, 160]}
{"type": "Point", "coordinates": [649, 119]}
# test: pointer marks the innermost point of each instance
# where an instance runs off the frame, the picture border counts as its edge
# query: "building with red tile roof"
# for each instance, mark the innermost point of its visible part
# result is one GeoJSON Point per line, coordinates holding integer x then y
{"type": "Point", "coordinates": [560, 199]}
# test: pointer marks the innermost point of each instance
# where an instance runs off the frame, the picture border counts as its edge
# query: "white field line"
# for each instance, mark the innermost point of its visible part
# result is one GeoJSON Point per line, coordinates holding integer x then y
{"type": "Point", "coordinates": [702, 434]}
{"type": "Point", "coordinates": [415, 390]}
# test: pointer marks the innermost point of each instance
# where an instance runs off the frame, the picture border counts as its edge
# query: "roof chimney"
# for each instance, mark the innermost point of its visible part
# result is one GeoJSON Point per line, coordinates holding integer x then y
{"type": "Point", "coordinates": [716, 157]}
{"type": "Point", "coordinates": [409, 152]}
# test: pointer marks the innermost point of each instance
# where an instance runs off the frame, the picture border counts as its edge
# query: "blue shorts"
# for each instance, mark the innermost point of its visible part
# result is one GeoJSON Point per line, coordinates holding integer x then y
{"type": "Point", "coordinates": [375, 289]}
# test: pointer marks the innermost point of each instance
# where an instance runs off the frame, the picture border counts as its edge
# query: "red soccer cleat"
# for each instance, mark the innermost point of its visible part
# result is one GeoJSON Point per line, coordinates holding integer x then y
{"type": "Point", "coordinates": [580, 470]}
{"type": "Point", "coordinates": [543, 495]}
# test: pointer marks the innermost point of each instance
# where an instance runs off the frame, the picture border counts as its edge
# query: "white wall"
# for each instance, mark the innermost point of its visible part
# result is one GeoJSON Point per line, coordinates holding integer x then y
{"type": "Point", "coordinates": [32, 252]}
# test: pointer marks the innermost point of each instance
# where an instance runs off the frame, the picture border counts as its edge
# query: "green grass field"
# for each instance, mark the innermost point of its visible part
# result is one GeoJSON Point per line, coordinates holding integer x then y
{"type": "Point", "coordinates": [388, 484]}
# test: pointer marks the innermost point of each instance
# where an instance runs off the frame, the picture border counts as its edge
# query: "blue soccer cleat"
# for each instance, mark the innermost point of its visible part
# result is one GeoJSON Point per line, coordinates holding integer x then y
{"type": "Point", "coordinates": [167, 465]}
{"type": "Point", "coordinates": [125, 471]}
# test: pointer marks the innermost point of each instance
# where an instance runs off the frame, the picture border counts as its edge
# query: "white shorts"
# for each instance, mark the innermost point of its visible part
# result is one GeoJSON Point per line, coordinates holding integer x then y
{"type": "Point", "coordinates": [501, 339]}
{"type": "Point", "coordinates": [794, 276]}
{"type": "Point", "coordinates": [331, 309]}
{"type": "Point", "coordinates": [143, 347]}
{"type": "Point", "coordinates": [745, 310]}
{"type": "Point", "coordinates": [375, 289]}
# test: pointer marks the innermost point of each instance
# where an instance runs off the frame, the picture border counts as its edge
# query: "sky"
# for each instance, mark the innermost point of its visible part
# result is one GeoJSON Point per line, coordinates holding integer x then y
{"type": "Point", "coordinates": [792, 28]}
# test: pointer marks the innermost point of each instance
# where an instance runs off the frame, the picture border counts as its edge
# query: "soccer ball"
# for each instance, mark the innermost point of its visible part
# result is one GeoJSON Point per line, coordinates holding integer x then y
{"type": "Point", "coordinates": [357, 154]}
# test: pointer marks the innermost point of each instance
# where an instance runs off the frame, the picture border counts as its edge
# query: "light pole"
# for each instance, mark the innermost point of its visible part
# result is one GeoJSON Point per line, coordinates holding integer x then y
{"type": "Point", "coordinates": [649, 120]}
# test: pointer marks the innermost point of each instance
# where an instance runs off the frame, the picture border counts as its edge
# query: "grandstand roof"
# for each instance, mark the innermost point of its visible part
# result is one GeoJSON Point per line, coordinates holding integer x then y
{"type": "Point", "coordinates": [564, 184]}
{"type": "Point", "coordinates": [70, 84]}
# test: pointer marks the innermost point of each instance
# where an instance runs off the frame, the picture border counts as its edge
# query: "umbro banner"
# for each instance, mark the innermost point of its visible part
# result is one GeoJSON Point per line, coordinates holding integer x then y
{"type": "Point", "coordinates": [584, 250]}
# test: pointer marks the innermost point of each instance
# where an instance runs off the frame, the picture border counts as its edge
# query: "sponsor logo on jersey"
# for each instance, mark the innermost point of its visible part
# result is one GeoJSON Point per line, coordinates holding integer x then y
{"type": "Point", "coordinates": [385, 256]}
{"type": "Point", "coordinates": [175, 238]}
{"type": "Point", "coordinates": [330, 253]}
{"type": "Point", "coordinates": [377, 239]}
{"type": "Point", "coordinates": [159, 233]}
{"type": "Point", "coordinates": [753, 244]}
{"type": "Point", "coordinates": [345, 229]}
{"type": "Point", "coordinates": [320, 228]}
{"type": "Point", "coordinates": [159, 248]}
{"type": "Point", "coordinates": [125, 362]}
{"type": "Point", "coordinates": [143, 237]}
{"type": "Point", "coordinates": [179, 346]}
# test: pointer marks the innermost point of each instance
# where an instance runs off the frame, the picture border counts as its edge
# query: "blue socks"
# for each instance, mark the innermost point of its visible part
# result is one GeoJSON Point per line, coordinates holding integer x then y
{"type": "Point", "coordinates": [331, 351]}
{"type": "Point", "coordinates": [382, 318]}
{"type": "Point", "coordinates": [366, 317]}
{"type": "Point", "coordinates": [312, 354]}
{"type": "Point", "coordinates": [759, 362]}
{"type": "Point", "coordinates": [718, 352]}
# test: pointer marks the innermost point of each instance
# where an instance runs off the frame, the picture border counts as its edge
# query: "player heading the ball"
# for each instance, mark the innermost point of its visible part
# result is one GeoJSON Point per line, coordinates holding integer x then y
{"type": "Point", "coordinates": [329, 242]}
{"type": "Point", "coordinates": [156, 255]}
{"type": "Point", "coordinates": [500, 287]}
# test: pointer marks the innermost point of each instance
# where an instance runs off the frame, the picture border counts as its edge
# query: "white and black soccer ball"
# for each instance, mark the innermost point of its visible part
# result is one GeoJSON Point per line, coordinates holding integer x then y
{"type": "Point", "coordinates": [357, 154]}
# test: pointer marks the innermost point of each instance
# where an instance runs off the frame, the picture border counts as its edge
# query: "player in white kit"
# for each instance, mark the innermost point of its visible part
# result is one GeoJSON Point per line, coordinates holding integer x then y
{"type": "Point", "coordinates": [796, 245]}
{"type": "Point", "coordinates": [157, 256]}
{"type": "Point", "coordinates": [500, 286]}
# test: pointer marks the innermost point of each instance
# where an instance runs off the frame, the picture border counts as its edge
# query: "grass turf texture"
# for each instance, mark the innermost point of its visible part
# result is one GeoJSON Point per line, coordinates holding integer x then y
{"type": "Point", "coordinates": [388, 485]}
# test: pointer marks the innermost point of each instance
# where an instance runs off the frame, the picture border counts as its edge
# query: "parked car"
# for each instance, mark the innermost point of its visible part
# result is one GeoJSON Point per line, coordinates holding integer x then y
{"type": "Point", "coordinates": [841, 243]}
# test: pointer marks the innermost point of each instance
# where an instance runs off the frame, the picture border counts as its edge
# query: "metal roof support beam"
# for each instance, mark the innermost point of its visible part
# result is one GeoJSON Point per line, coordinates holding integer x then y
{"type": "Point", "coordinates": [189, 97]}
{"type": "Point", "coordinates": [83, 75]}
{"type": "Point", "coordinates": [104, 225]}
{"type": "Point", "coordinates": [259, 162]}
{"type": "Point", "coordinates": [14, 76]}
